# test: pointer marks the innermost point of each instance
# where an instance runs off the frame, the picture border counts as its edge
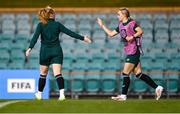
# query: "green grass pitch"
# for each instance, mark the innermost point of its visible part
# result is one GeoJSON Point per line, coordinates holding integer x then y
{"type": "Point", "coordinates": [93, 106]}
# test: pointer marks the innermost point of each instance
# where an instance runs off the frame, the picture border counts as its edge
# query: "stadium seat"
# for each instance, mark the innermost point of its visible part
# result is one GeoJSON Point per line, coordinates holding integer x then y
{"type": "Point", "coordinates": [145, 24]}
{"type": "Point", "coordinates": [158, 78]}
{"type": "Point", "coordinates": [172, 82]}
{"type": "Point", "coordinates": [10, 29]}
{"type": "Point", "coordinates": [175, 24]}
{"type": "Point", "coordinates": [10, 17]}
{"type": "Point", "coordinates": [92, 81]}
{"type": "Point", "coordinates": [69, 17]}
{"type": "Point", "coordinates": [160, 16]}
{"type": "Point", "coordinates": [148, 35]}
{"type": "Point", "coordinates": [5, 56]}
{"type": "Point", "coordinates": [108, 82]}
{"type": "Point", "coordinates": [6, 38]}
{"type": "Point", "coordinates": [16, 64]}
{"type": "Point", "coordinates": [161, 36]}
{"type": "Point", "coordinates": [139, 86]}
{"type": "Point", "coordinates": [77, 82]}
{"type": "Point", "coordinates": [161, 24]}
{"type": "Point", "coordinates": [70, 24]}
{"type": "Point", "coordinates": [4, 46]}
{"type": "Point", "coordinates": [23, 16]}
{"type": "Point", "coordinates": [84, 24]}
{"type": "Point", "coordinates": [85, 16]}
{"type": "Point", "coordinates": [23, 38]}
{"type": "Point", "coordinates": [23, 27]}
{"type": "Point", "coordinates": [17, 55]}
{"type": "Point", "coordinates": [58, 17]}
{"type": "Point", "coordinates": [67, 64]}
{"type": "Point", "coordinates": [80, 65]}
{"type": "Point", "coordinates": [143, 16]}
{"type": "Point", "coordinates": [4, 64]}
{"type": "Point", "coordinates": [18, 46]}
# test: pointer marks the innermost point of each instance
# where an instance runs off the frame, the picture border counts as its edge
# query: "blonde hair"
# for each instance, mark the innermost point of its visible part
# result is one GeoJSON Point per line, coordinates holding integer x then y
{"type": "Point", "coordinates": [125, 12]}
{"type": "Point", "coordinates": [45, 13]}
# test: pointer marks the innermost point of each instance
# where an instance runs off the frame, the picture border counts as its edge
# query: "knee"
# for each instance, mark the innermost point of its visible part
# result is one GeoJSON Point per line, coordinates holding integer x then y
{"type": "Point", "coordinates": [138, 75]}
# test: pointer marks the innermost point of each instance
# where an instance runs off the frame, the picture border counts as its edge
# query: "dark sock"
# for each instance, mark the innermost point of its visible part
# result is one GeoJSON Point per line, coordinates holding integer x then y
{"type": "Point", "coordinates": [60, 81]}
{"type": "Point", "coordinates": [147, 79]}
{"type": "Point", "coordinates": [42, 82]}
{"type": "Point", "coordinates": [126, 82]}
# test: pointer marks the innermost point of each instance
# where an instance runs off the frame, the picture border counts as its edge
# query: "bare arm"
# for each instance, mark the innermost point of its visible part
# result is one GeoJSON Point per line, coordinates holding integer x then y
{"type": "Point", "coordinates": [137, 34]}
{"type": "Point", "coordinates": [110, 33]}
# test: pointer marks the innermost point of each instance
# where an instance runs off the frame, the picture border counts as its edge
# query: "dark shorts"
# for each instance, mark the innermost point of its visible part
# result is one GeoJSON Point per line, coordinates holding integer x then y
{"type": "Point", "coordinates": [134, 59]}
{"type": "Point", "coordinates": [51, 55]}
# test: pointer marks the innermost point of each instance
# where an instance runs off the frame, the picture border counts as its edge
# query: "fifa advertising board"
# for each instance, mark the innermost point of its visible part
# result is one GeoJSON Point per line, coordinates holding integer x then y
{"type": "Point", "coordinates": [20, 84]}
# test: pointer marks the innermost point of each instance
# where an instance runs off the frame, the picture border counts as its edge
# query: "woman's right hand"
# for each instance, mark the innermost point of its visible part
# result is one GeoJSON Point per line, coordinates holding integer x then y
{"type": "Point", "coordinates": [87, 39]}
{"type": "Point", "coordinates": [100, 22]}
{"type": "Point", "coordinates": [28, 52]}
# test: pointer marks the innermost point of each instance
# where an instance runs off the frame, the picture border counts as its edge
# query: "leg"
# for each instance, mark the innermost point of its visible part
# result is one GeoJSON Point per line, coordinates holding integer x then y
{"type": "Point", "coordinates": [144, 77]}
{"type": "Point", "coordinates": [60, 80]}
{"type": "Point", "coordinates": [148, 80]}
{"type": "Point", "coordinates": [42, 81]}
{"type": "Point", "coordinates": [128, 67]}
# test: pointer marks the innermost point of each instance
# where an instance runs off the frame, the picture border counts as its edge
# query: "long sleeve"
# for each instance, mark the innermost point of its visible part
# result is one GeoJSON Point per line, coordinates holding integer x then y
{"type": "Point", "coordinates": [69, 32]}
{"type": "Point", "coordinates": [35, 36]}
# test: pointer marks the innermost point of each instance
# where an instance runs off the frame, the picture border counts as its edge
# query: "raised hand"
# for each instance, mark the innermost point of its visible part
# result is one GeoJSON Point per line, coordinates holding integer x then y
{"type": "Point", "coordinates": [100, 22]}
{"type": "Point", "coordinates": [87, 39]}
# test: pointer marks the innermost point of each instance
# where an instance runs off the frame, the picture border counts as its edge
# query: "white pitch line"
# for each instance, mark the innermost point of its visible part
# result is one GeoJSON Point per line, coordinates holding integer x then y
{"type": "Point", "coordinates": [9, 102]}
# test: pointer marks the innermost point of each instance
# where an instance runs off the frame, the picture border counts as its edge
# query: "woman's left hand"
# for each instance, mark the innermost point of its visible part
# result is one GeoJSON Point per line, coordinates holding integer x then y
{"type": "Point", "coordinates": [129, 38]}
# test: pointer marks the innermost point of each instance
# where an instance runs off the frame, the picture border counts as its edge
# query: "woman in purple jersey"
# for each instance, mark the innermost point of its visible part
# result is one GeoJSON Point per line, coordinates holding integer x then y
{"type": "Point", "coordinates": [130, 33]}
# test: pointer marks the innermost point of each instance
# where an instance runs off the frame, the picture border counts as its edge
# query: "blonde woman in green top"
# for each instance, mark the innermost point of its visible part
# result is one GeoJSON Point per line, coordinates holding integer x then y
{"type": "Point", "coordinates": [51, 52]}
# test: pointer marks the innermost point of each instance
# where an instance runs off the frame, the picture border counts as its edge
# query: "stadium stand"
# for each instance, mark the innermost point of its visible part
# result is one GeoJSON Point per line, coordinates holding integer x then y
{"type": "Point", "coordinates": [161, 44]}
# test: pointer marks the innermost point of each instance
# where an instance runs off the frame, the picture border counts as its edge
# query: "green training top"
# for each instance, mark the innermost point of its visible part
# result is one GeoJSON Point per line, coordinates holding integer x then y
{"type": "Point", "coordinates": [50, 33]}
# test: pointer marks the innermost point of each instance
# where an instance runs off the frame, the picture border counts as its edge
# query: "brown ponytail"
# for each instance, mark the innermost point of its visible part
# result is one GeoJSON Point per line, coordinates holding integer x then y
{"type": "Point", "coordinates": [43, 16]}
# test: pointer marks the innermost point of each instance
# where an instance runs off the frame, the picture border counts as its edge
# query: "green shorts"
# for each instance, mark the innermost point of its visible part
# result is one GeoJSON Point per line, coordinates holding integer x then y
{"type": "Point", "coordinates": [51, 55]}
{"type": "Point", "coordinates": [134, 59]}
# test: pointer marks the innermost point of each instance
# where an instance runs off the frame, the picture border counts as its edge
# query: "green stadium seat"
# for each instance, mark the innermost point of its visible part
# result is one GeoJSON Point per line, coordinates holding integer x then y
{"type": "Point", "coordinates": [17, 54]}
{"type": "Point", "coordinates": [23, 38]}
{"type": "Point", "coordinates": [160, 16]}
{"type": "Point", "coordinates": [16, 64]}
{"type": "Point", "coordinates": [69, 17]}
{"type": "Point", "coordinates": [4, 46]}
{"type": "Point", "coordinates": [5, 56]}
{"type": "Point", "coordinates": [108, 83]}
{"type": "Point", "coordinates": [158, 78]}
{"type": "Point", "coordinates": [139, 86]}
{"type": "Point", "coordinates": [144, 16]}
{"type": "Point", "coordinates": [3, 65]}
{"type": "Point", "coordinates": [67, 64]}
{"type": "Point", "coordinates": [58, 17]}
{"type": "Point", "coordinates": [146, 24]}
{"type": "Point", "coordinates": [10, 29]}
{"type": "Point", "coordinates": [77, 82]}
{"type": "Point", "coordinates": [85, 25]}
{"type": "Point", "coordinates": [172, 82]}
{"type": "Point", "coordinates": [92, 81]}
{"type": "Point", "coordinates": [161, 24]}
{"type": "Point", "coordinates": [6, 16]}
{"type": "Point", "coordinates": [175, 24]}
{"type": "Point", "coordinates": [80, 64]}
{"type": "Point", "coordinates": [6, 37]}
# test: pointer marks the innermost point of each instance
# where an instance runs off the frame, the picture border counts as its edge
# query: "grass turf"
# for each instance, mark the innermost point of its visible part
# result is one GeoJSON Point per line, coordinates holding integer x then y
{"type": "Point", "coordinates": [94, 106]}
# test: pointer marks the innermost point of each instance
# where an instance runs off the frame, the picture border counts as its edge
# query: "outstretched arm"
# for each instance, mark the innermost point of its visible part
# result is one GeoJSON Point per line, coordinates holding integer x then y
{"type": "Point", "coordinates": [73, 34]}
{"type": "Point", "coordinates": [110, 33]}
